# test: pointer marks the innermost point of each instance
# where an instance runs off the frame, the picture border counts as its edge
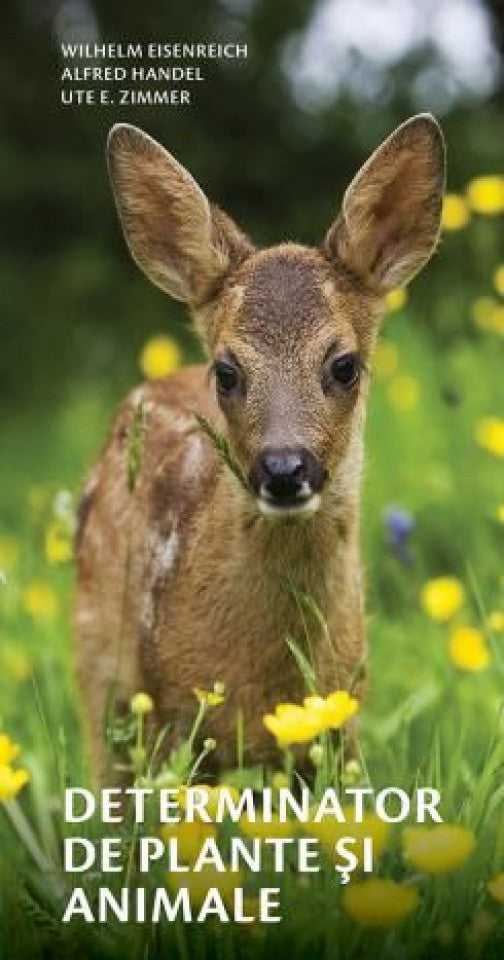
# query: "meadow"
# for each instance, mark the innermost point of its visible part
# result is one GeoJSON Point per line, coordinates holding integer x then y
{"type": "Point", "coordinates": [433, 515]}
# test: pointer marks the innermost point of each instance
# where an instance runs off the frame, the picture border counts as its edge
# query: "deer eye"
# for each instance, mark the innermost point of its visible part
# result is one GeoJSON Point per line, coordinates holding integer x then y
{"type": "Point", "coordinates": [226, 376]}
{"type": "Point", "coordinates": [345, 369]}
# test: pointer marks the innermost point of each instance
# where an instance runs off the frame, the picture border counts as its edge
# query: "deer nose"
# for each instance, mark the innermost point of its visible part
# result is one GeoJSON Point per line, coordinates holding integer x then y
{"type": "Point", "coordinates": [286, 476]}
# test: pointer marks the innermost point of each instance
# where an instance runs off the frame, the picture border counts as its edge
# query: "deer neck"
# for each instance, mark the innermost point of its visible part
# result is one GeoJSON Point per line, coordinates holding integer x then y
{"type": "Point", "coordinates": [317, 556]}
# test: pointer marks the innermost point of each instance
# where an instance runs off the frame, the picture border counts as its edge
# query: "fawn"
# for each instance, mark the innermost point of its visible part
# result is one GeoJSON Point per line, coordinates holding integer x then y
{"type": "Point", "coordinates": [189, 578]}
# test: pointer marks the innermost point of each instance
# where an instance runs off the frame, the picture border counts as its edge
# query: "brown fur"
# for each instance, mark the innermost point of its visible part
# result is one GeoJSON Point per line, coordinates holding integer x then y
{"type": "Point", "coordinates": [184, 582]}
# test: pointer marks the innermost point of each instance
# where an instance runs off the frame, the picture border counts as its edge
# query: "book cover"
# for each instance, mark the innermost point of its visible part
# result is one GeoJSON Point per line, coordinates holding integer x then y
{"type": "Point", "coordinates": [251, 503]}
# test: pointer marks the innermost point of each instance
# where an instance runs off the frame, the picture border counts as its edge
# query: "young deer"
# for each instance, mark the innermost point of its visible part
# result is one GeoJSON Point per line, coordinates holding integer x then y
{"type": "Point", "coordinates": [190, 578]}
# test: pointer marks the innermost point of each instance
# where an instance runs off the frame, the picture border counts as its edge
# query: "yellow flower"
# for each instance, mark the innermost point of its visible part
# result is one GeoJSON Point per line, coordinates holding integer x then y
{"type": "Point", "coordinates": [403, 392]}
{"type": "Point", "coordinates": [329, 831]}
{"type": "Point", "coordinates": [190, 837]}
{"type": "Point", "coordinates": [379, 902]}
{"type": "Point", "coordinates": [498, 279]}
{"type": "Point", "coordinates": [198, 884]}
{"type": "Point", "coordinates": [396, 299]}
{"type": "Point", "coordinates": [488, 314]}
{"type": "Point", "coordinates": [292, 724]}
{"type": "Point", "coordinates": [500, 513]}
{"type": "Point", "coordinates": [496, 621]}
{"type": "Point", "coordinates": [8, 749]}
{"type": "Point", "coordinates": [141, 703]}
{"type": "Point", "coordinates": [332, 711]}
{"type": "Point", "coordinates": [58, 543]}
{"type": "Point", "coordinates": [9, 552]}
{"type": "Point", "coordinates": [212, 796]}
{"type": "Point", "coordinates": [478, 931]}
{"type": "Point", "coordinates": [456, 214]}
{"type": "Point", "coordinates": [442, 597]}
{"type": "Point", "coordinates": [40, 601]}
{"type": "Point", "coordinates": [209, 698]}
{"type": "Point", "coordinates": [438, 849]}
{"type": "Point", "coordinates": [11, 781]}
{"type": "Point", "coordinates": [261, 830]}
{"type": "Point", "coordinates": [482, 312]}
{"type": "Point", "coordinates": [490, 435]}
{"type": "Point", "coordinates": [15, 663]}
{"type": "Point", "coordinates": [386, 359]}
{"type": "Point", "coordinates": [468, 649]}
{"type": "Point", "coordinates": [496, 888]}
{"type": "Point", "coordinates": [498, 320]}
{"type": "Point", "coordinates": [486, 194]}
{"type": "Point", "coordinates": [159, 356]}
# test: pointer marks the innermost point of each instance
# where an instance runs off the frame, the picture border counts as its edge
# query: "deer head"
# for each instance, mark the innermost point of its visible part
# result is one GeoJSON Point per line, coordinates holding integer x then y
{"type": "Point", "coordinates": [288, 330]}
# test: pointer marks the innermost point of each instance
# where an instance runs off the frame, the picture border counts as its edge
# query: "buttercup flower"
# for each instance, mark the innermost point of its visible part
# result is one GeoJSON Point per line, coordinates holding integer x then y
{"type": "Point", "coordinates": [403, 392]}
{"type": "Point", "coordinates": [455, 214]}
{"type": "Point", "coordinates": [498, 320]}
{"type": "Point", "coordinates": [12, 781]}
{"type": "Point", "coordinates": [439, 849]}
{"type": "Point", "coordinates": [486, 194]}
{"type": "Point", "coordinates": [40, 601]}
{"type": "Point", "coordinates": [9, 552]}
{"type": "Point", "coordinates": [379, 902]}
{"type": "Point", "coordinates": [198, 884]}
{"type": "Point", "coordinates": [190, 837]}
{"type": "Point", "coordinates": [490, 435]}
{"type": "Point", "coordinates": [442, 597]}
{"type": "Point", "coordinates": [292, 724]}
{"type": "Point", "coordinates": [496, 621]}
{"type": "Point", "coordinates": [498, 279]}
{"type": "Point", "coordinates": [212, 796]}
{"type": "Point", "coordinates": [482, 312]}
{"type": "Point", "coordinates": [159, 356]}
{"type": "Point", "coordinates": [58, 543]}
{"type": "Point", "coordinates": [496, 888]}
{"type": "Point", "coordinates": [329, 831]}
{"type": "Point", "coordinates": [468, 649]}
{"type": "Point", "coordinates": [8, 749]}
{"type": "Point", "coordinates": [141, 703]}
{"type": "Point", "coordinates": [396, 299]}
{"type": "Point", "coordinates": [15, 663]}
{"type": "Point", "coordinates": [386, 359]}
{"type": "Point", "coordinates": [210, 698]}
{"type": "Point", "coordinates": [332, 711]}
{"type": "Point", "coordinates": [261, 830]}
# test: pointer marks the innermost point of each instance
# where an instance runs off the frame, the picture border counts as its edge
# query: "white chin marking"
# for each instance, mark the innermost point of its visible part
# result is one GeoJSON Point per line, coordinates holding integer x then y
{"type": "Point", "coordinates": [303, 509]}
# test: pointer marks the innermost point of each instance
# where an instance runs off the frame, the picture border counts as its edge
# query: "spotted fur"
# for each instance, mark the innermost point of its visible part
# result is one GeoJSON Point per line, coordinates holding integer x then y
{"type": "Point", "coordinates": [184, 582]}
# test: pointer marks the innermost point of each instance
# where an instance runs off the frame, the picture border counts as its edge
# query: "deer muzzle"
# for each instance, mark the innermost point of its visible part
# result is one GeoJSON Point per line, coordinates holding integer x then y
{"type": "Point", "coordinates": [287, 480]}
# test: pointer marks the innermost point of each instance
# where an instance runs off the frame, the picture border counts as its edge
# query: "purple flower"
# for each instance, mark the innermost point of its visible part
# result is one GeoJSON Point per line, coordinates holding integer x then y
{"type": "Point", "coordinates": [399, 525]}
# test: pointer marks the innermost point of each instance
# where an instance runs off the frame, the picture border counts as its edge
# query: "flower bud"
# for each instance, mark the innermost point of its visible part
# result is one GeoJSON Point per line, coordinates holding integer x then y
{"type": "Point", "coordinates": [316, 754]}
{"type": "Point", "coordinates": [141, 703]}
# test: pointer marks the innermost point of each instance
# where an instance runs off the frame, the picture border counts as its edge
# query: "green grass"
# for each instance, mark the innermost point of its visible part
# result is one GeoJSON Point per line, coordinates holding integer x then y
{"type": "Point", "coordinates": [423, 722]}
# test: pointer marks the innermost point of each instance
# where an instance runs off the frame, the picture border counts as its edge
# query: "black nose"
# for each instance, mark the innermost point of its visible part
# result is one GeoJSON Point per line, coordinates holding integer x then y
{"type": "Point", "coordinates": [286, 475]}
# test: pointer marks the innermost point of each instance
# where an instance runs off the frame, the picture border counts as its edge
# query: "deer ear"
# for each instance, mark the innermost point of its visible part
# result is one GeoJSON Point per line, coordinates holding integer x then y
{"type": "Point", "coordinates": [390, 218]}
{"type": "Point", "coordinates": [183, 244]}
